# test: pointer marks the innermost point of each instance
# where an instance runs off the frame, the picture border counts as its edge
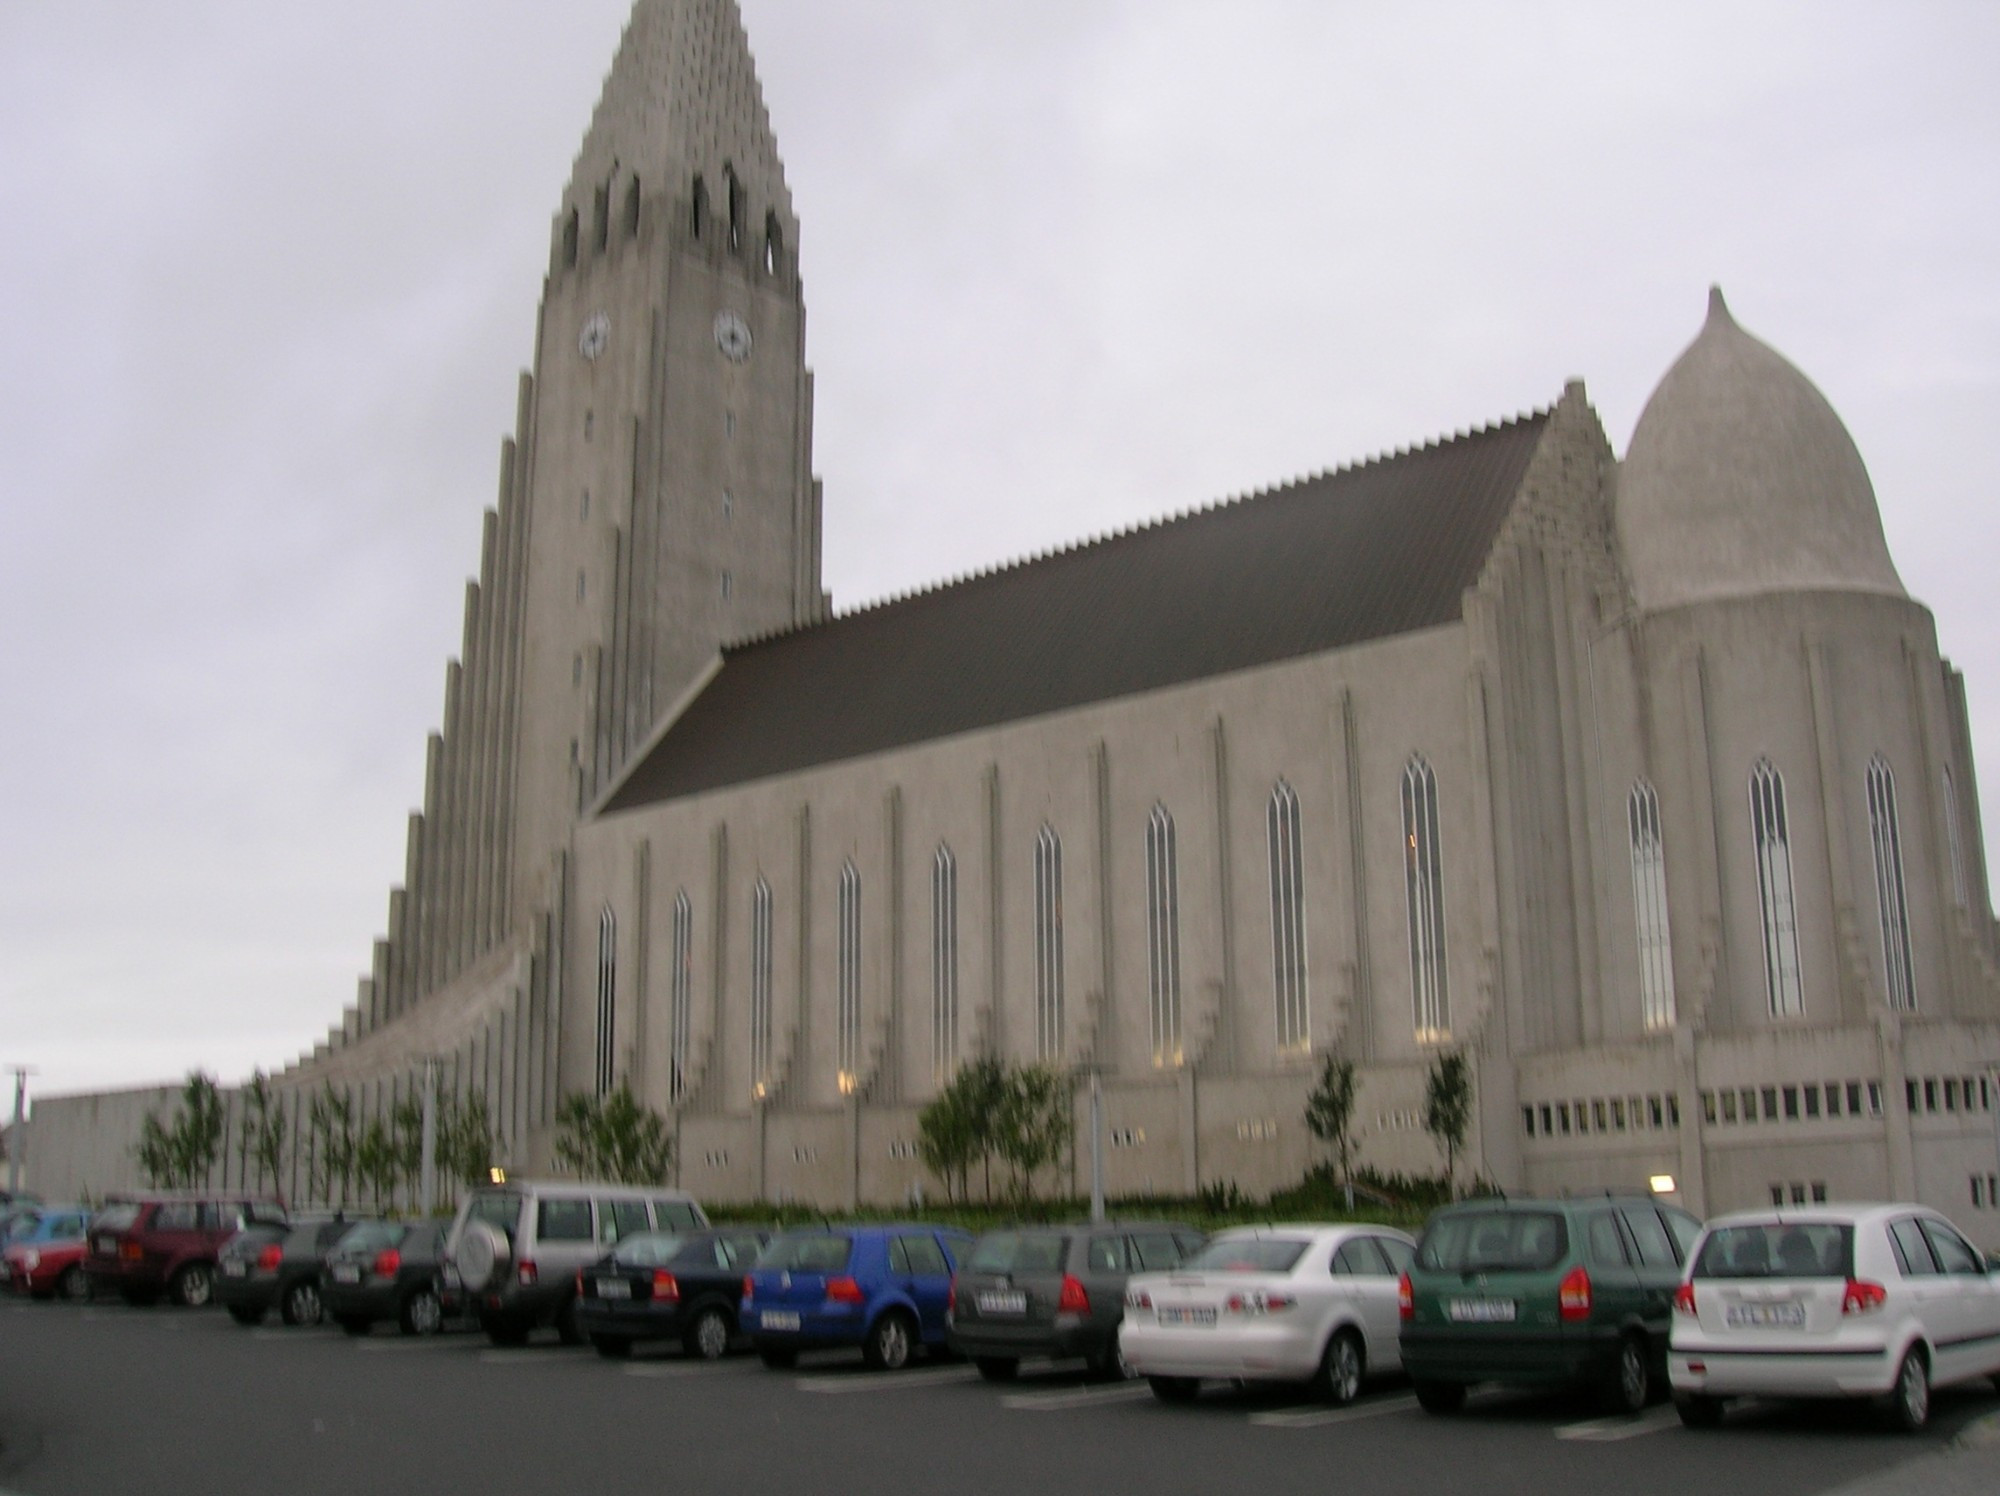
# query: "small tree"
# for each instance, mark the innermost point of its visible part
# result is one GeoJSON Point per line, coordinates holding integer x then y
{"type": "Point", "coordinates": [1034, 1123]}
{"type": "Point", "coordinates": [614, 1137]}
{"type": "Point", "coordinates": [1330, 1115]}
{"type": "Point", "coordinates": [406, 1135]}
{"type": "Point", "coordinates": [986, 1089]}
{"type": "Point", "coordinates": [951, 1134]}
{"type": "Point", "coordinates": [375, 1162]}
{"type": "Point", "coordinates": [331, 1123]}
{"type": "Point", "coordinates": [180, 1156]}
{"type": "Point", "coordinates": [1448, 1109]}
{"type": "Point", "coordinates": [263, 1130]}
{"type": "Point", "coordinates": [465, 1142]}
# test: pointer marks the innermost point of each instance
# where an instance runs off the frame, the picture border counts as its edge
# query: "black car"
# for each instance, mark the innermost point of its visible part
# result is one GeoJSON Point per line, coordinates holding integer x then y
{"type": "Point", "coordinates": [1056, 1291]}
{"type": "Point", "coordinates": [390, 1270]}
{"type": "Point", "coordinates": [267, 1266]}
{"type": "Point", "coordinates": [668, 1285]}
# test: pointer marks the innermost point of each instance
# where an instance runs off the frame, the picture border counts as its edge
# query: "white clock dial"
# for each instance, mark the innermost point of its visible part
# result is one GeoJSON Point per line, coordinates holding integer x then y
{"type": "Point", "coordinates": [596, 335]}
{"type": "Point", "coordinates": [732, 336]}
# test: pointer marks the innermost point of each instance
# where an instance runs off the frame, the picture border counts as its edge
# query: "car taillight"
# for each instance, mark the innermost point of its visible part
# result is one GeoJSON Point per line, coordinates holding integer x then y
{"type": "Point", "coordinates": [1684, 1300]}
{"type": "Point", "coordinates": [388, 1263]}
{"type": "Point", "coordinates": [749, 1290]}
{"type": "Point", "coordinates": [268, 1259]}
{"type": "Point", "coordinates": [1406, 1298]}
{"type": "Point", "coordinates": [527, 1274]}
{"type": "Point", "coordinates": [666, 1288]}
{"type": "Point", "coordinates": [1138, 1298]}
{"type": "Point", "coordinates": [1072, 1299]}
{"type": "Point", "coordinates": [1862, 1297]}
{"type": "Point", "coordinates": [131, 1251]}
{"type": "Point", "coordinates": [843, 1291]}
{"type": "Point", "coordinates": [1276, 1303]}
{"type": "Point", "coordinates": [951, 1296]}
{"type": "Point", "coordinates": [579, 1282]}
{"type": "Point", "coordinates": [1573, 1295]}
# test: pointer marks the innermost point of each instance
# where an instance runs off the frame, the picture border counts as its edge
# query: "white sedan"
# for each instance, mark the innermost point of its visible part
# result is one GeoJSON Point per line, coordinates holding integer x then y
{"type": "Point", "coordinates": [1881, 1301]}
{"type": "Point", "coordinates": [1314, 1304]}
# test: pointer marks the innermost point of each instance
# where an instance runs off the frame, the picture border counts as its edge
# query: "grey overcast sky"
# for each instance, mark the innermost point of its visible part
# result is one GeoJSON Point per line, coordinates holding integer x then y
{"type": "Point", "coordinates": [268, 273]}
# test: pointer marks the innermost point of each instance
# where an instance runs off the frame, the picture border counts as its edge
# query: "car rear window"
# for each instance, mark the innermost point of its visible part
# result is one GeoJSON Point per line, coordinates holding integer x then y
{"type": "Point", "coordinates": [501, 1209]}
{"type": "Point", "coordinates": [1778, 1249]}
{"type": "Point", "coordinates": [563, 1220]}
{"type": "Point", "coordinates": [1525, 1241]}
{"type": "Point", "coordinates": [1249, 1254]}
{"type": "Point", "coordinates": [1019, 1252]}
{"type": "Point", "coordinates": [807, 1254]}
{"type": "Point", "coordinates": [648, 1249]}
{"type": "Point", "coordinates": [363, 1236]}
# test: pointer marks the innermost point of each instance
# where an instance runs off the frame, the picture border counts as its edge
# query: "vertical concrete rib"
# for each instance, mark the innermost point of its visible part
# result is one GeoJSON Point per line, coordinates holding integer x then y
{"type": "Point", "coordinates": [479, 750]}
{"type": "Point", "coordinates": [642, 964]}
{"type": "Point", "coordinates": [403, 965]}
{"type": "Point", "coordinates": [449, 826]}
{"type": "Point", "coordinates": [426, 894]}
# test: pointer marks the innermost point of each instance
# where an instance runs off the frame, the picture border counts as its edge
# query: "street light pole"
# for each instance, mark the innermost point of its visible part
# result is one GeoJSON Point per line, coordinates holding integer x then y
{"type": "Point", "coordinates": [427, 1173]}
{"type": "Point", "coordinates": [17, 1136]}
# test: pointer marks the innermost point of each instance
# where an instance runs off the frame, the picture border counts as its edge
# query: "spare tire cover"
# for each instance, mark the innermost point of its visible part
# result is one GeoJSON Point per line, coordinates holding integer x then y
{"type": "Point", "coordinates": [483, 1254]}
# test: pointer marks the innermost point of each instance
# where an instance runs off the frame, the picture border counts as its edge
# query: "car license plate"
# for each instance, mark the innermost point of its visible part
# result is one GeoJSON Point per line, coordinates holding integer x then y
{"type": "Point", "coordinates": [1204, 1318]}
{"type": "Point", "coordinates": [613, 1288]}
{"type": "Point", "coordinates": [1481, 1311]}
{"type": "Point", "coordinates": [235, 1269]}
{"type": "Point", "coordinates": [1779, 1316]}
{"type": "Point", "coordinates": [778, 1319]}
{"type": "Point", "coordinates": [1003, 1303]}
{"type": "Point", "coordinates": [347, 1272]}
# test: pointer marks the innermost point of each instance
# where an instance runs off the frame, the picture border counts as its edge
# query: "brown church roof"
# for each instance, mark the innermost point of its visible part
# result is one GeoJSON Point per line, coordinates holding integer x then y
{"type": "Point", "coordinates": [1385, 548]}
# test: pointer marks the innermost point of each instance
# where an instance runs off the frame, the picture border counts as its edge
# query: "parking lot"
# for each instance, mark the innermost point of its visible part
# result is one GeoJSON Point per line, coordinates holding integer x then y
{"type": "Point", "coordinates": [108, 1398]}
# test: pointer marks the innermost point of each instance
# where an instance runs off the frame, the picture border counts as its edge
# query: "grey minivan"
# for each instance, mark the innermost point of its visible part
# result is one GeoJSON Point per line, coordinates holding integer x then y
{"type": "Point", "coordinates": [517, 1247]}
{"type": "Point", "coordinates": [1056, 1291]}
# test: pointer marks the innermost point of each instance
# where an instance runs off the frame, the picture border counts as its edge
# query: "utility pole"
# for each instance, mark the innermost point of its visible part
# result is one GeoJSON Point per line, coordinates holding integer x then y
{"type": "Point", "coordinates": [1096, 1148]}
{"type": "Point", "coordinates": [17, 1137]}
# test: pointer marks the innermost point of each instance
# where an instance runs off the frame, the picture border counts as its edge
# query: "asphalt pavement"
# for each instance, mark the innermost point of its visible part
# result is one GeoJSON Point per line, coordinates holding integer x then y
{"type": "Point", "coordinates": [116, 1400]}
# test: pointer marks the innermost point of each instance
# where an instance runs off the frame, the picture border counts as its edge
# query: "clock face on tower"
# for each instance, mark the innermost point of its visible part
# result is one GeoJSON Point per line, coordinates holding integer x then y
{"type": "Point", "coordinates": [732, 336]}
{"type": "Point", "coordinates": [595, 336]}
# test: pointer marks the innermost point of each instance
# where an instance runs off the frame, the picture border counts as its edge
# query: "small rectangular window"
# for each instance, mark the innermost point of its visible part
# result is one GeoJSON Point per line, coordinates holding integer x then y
{"type": "Point", "coordinates": [1777, 1194]}
{"type": "Point", "coordinates": [1707, 1108]}
{"type": "Point", "coordinates": [1951, 1093]}
{"type": "Point", "coordinates": [1749, 1105]}
{"type": "Point", "coordinates": [1597, 1116]}
{"type": "Point", "coordinates": [1912, 1095]}
{"type": "Point", "coordinates": [1729, 1106]}
{"type": "Point", "coordinates": [1812, 1101]}
{"type": "Point", "coordinates": [1617, 1115]}
{"type": "Point", "coordinates": [1798, 1194]}
{"type": "Point", "coordinates": [1930, 1094]}
{"type": "Point", "coordinates": [1673, 1111]}
{"type": "Point", "coordinates": [1976, 1183]}
{"type": "Point", "coordinates": [1562, 1117]}
{"type": "Point", "coordinates": [1993, 1189]}
{"type": "Point", "coordinates": [1791, 1103]}
{"type": "Point", "coordinates": [1874, 1098]}
{"type": "Point", "coordinates": [1528, 1120]}
{"type": "Point", "coordinates": [1985, 1094]}
{"type": "Point", "coordinates": [1819, 1192]}
{"type": "Point", "coordinates": [728, 584]}
{"type": "Point", "coordinates": [1547, 1117]}
{"type": "Point", "coordinates": [1833, 1098]}
{"type": "Point", "coordinates": [1770, 1103]}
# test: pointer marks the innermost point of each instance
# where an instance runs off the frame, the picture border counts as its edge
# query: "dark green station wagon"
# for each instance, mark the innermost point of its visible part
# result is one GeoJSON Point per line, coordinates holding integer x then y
{"type": "Point", "coordinates": [1545, 1293]}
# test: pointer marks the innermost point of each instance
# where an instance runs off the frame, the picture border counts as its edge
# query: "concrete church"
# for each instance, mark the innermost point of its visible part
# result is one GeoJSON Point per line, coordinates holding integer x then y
{"type": "Point", "coordinates": [1643, 783]}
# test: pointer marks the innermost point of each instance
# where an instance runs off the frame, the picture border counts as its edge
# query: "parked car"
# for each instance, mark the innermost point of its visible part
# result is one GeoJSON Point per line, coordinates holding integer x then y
{"type": "Point", "coordinates": [17, 1215]}
{"type": "Point", "coordinates": [145, 1245]}
{"type": "Point", "coordinates": [46, 1257]}
{"type": "Point", "coordinates": [1056, 1291]}
{"type": "Point", "coordinates": [882, 1288]}
{"type": "Point", "coordinates": [515, 1248]}
{"type": "Point", "coordinates": [1544, 1293]}
{"type": "Point", "coordinates": [1881, 1301]}
{"type": "Point", "coordinates": [668, 1285]}
{"type": "Point", "coordinates": [389, 1270]}
{"type": "Point", "coordinates": [266, 1266]}
{"type": "Point", "coordinates": [1314, 1304]}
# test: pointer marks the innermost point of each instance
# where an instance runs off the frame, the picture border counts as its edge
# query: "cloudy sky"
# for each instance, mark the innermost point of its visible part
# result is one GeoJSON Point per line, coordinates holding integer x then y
{"type": "Point", "coordinates": [268, 273]}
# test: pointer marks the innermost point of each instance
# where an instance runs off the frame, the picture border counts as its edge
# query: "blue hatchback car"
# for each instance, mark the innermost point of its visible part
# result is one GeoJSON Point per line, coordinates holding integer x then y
{"type": "Point", "coordinates": [882, 1288]}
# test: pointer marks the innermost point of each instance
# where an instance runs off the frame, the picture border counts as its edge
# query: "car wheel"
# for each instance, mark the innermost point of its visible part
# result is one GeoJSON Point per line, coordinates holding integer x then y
{"type": "Point", "coordinates": [708, 1337]}
{"type": "Point", "coordinates": [890, 1341]}
{"type": "Point", "coordinates": [245, 1314]}
{"type": "Point", "coordinates": [997, 1368]}
{"type": "Point", "coordinates": [1698, 1411]}
{"type": "Point", "coordinates": [566, 1330]}
{"type": "Point", "coordinates": [74, 1285]}
{"type": "Point", "coordinates": [1440, 1397]}
{"type": "Point", "coordinates": [192, 1286]}
{"type": "Point", "coordinates": [301, 1305]}
{"type": "Point", "coordinates": [1339, 1380]}
{"type": "Point", "coordinates": [1175, 1389]}
{"type": "Point", "coordinates": [612, 1347]}
{"type": "Point", "coordinates": [356, 1324]}
{"type": "Point", "coordinates": [778, 1357]}
{"type": "Point", "coordinates": [1631, 1384]}
{"type": "Point", "coordinates": [422, 1313]}
{"type": "Point", "coordinates": [1910, 1402]}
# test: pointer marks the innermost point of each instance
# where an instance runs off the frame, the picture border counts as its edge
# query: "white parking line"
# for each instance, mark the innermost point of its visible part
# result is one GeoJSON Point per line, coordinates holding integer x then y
{"type": "Point", "coordinates": [412, 1343]}
{"type": "Point", "coordinates": [1611, 1430]}
{"type": "Point", "coordinates": [892, 1381]}
{"type": "Point", "coordinates": [671, 1369]}
{"type": "Point", "coordinates": [529, 1355]}
{"type": "Point", "coordinates": [1322, 1417]}
{"type": "Point", "coordinates": [1076, 1397]}
{"type": "Point", "coordinates": [294, 1333]}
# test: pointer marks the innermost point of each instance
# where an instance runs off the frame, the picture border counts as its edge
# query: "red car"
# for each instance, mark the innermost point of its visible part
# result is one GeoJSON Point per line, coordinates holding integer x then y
{"type": "Point", "coordinates": [46, 1258]}
{"type": "Point", "coordinates": [146, 1245]}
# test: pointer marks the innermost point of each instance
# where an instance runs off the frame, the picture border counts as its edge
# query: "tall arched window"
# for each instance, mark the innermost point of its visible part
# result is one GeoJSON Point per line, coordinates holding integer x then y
{"type": "Point", "coordinates": [607, 996]}
{"type": "Point", "coordinates": [1048, 944]}
{"type": "Point", "coordinates": [1649, 899]}
{"type": "Point", "coordinates": [632, 209]}
{"type": "Point", "coordinates": [848, 1018]}
{"type": "Point", "coordinates": [944, 964]}
{"type": "Point", "coordinates": [680, 1012]}
{"type": "Point", "coordinates": [1770, 831]}
{"type": "Point", "coordinates": [760, 989]}
{"type": "Point", "coordinates": [1423, 881]}
{"type": "Point", "coordinates": [1952, 843]}
{"type": "Point", "coordinates": [1891, 897]}
{"type": "Point", "coordinates": [1288, 919]}
{"type": "Point", "coordinates": [1163, 935]}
